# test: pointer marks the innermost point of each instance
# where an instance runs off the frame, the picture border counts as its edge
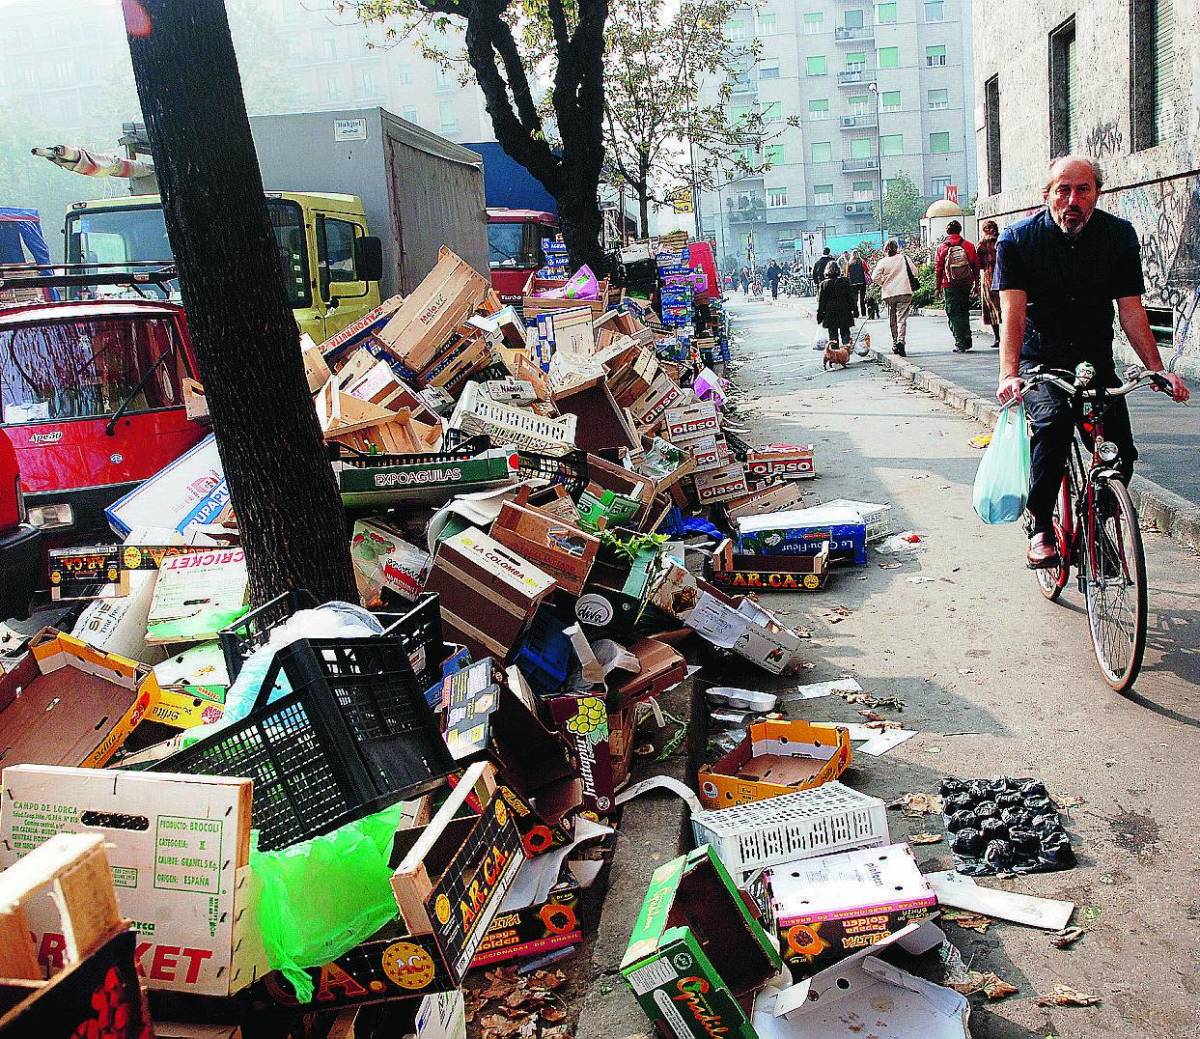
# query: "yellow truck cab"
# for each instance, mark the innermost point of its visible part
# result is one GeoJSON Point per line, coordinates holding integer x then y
{"type": "Point", "coordinates": [331, 263]}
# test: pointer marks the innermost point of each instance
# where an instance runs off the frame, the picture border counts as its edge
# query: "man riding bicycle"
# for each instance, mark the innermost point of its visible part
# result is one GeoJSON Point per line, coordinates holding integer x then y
{"type": "Point", "coordinates": [1058, 273]}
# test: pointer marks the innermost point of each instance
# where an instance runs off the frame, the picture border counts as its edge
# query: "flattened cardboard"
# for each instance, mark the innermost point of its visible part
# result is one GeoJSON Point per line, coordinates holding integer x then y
{"type": "Point", "coordinates": [583, 726]}
{"type": "Point", "coordinates": [742, 572]}
{"type": "Point", "coordinates": [804, 531]}
{"type": "Point", "coordinates": [775, 757]}
{"type": "Point", "coordinates": [198, 595]}
{"type": "Point", "coordinates": [87, 573]}
{"type": "Point", "coordinates": [533, 931]}
{"type": "Point", "coordinates": [382, 558]}
{"type": "Point", "coordinates": [69, 704]}
{"type": "Point", "coordinates": [827, 907]}
{"type": "Point", "coordinates": [342, 342]}
{"type": "Point", "coordinates": [697, 954]}
{"type": "Point", "coordinates": [775, 498]}
{"type": "Point", "coordinates": [184, 496]}
{"type": "Point", "coordinates": [179, 849]}
{"type": "Point", "coordinates": [602, 423]}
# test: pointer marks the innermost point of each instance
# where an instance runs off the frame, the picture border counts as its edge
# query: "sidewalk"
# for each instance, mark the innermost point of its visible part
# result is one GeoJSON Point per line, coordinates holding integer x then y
{"type": "Point", "coordinates": [1166, 486]}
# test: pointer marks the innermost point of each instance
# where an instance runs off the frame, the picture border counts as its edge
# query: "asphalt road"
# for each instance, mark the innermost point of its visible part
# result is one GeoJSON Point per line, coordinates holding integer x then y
{"type": "Point", "coordinates": [1168, 434]}
{"type": "Point", "coordinates": [997, 680]}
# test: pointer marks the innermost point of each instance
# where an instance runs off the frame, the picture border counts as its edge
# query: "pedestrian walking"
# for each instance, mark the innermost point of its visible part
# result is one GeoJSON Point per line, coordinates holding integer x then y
{"type": "Point", "coordinates": [773, 272]}
{"type": "Point", "coordinates": [896, 279]}
{"type": "Point", "coordinates": [857, 273]}
{"type": "Point", "coordinates": [745, 281]}
{"type": "Point", "coordinates": [990, 298]}
{"type": "Point", "coordinates": [957, 268]}
{"type": "Point", "coordinates": [818, 270]}
{"type": "Point", "coordinates": [835, 305]}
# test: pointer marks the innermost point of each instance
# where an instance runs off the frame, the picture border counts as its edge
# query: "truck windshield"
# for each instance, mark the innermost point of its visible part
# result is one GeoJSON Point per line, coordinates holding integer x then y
{"type": "Point", "coordinates": [138, 233]}
{"type": "Point", "coordinates": [510, 245]}
{"type": "Point", "coordinates": [86, 369]}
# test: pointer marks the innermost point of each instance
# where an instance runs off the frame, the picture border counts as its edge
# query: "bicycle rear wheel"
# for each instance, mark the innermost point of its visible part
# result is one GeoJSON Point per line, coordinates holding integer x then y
{"type": "Point", "coordinates": [1052, 580]}
{"type": "Point", "coordinates": [1116, 584]}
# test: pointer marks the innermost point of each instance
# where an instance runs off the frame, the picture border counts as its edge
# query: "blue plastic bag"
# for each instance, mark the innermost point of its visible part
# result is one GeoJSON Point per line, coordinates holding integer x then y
{"type": "Point", "coordinates": [1002, 483]}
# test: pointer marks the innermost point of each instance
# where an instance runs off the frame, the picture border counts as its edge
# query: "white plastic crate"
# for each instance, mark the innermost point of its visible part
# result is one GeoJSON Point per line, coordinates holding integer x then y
{"type": "Point", "coordinates": [828, 818]}
{"type": "Point", "coordinates": [476, 414]}
{"type": "Point", "coordinates": [877, 516]}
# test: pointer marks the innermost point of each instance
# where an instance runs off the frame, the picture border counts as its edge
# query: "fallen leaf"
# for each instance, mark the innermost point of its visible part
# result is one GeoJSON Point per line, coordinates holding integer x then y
{"type": "Point", "coordinates": [919, 804]}
{"type": "Point", "coordinates": [496, 1026]}
{"type": "Point", "coordinates": [980, 441]}
{"type": "Point", "coordinates": [553, 1014]}
{"type": "Point", "coordinates": [1090, 913]}
{"type": "Point", "coordinates": [872, 716]}
{"type": "Point", "coordinates": [1068, 802]}
{"type": "Point", "coordinates": [924, 838]}
{"type": "Point", "coordinates": [546, 980]}
{"type": "Point", "coordinates": [500, 987]}
{"type": "Point", "coordinates": [1064, 996]}
{"type": "Point", "coordinates": [964, 918]}
{"type": "Point", "coordinates": [1067, 937]}
{"type": "Point", "coordinates": [990, 984]}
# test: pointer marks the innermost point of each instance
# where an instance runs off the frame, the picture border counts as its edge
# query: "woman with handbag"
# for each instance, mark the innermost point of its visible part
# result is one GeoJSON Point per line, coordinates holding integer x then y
{"type": "Point", "coordinates": [897, 280]}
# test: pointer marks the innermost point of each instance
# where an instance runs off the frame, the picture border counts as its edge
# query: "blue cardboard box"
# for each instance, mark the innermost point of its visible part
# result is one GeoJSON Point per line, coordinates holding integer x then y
{"type": "Point", "coordinates": [803, 531]}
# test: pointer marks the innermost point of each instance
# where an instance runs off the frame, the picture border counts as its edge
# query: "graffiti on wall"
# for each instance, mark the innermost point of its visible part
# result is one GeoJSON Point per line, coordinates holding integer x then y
{"type": "Point", "coordinates": [1166, 216]}
{"type": "Point", "coordinates": [1104, 139]}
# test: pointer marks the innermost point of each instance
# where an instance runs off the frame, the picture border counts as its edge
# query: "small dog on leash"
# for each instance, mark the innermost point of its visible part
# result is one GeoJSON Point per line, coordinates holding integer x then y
{"type": "Point", "coordinates": [835, 355]}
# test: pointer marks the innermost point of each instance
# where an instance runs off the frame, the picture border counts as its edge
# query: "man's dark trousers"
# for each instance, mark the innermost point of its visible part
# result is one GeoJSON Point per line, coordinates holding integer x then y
{"type": "Point", "coordinates": [1052, 418]}
{"type": "Point", "coordinates": [958, 312]}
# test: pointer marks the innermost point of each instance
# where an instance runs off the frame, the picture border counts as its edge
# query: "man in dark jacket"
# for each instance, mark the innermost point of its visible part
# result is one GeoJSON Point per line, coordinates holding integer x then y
{"type": "Point", "coordinates": [957, 268]}
{"type": "Point", "coordinates": [818, 271]}
{"type": "Point", "coordinates": [835, 305]}
{"type": "Point", "coordinates": [773, 273]}
{"type": "Point", "coordinates": [856, 274]}
{"type": "Point", "coordinates": [1058, 273]}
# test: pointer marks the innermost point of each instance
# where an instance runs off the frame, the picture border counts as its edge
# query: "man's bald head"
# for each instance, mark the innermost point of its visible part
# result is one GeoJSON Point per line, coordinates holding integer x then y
{"type": "Point", "coordinates": [1072, 190]}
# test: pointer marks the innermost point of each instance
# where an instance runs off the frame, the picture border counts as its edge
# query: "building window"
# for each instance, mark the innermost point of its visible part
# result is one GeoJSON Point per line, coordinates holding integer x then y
{"type": "Point", "coordinates": [815, 65]}
{"type": "Point", "coordinates": [332, 91]}
{"type": "Point", "coordinates": [823, 194]}
{"type": "Point", "coordinates": [772, 112]}
{"type": "Point", "coordinates": [938, 186]}
{"type": "Point", "coordinates": [739, 29]}
{"type": "Point", "coordinates": [860, 148]}
{"type": "Point", "coordinates": [853, 19]}
{"type": "Point", "coordinates": [935, 56]}
{"type": "Point", "coordinates": [776, 197]}
{"type": "Point", "coordinates": [443, 77]}
{"type": "Point", "coordinates": [856, 61]}
{"type": "Point", "coordinates": [404, 75]}
{"type": "Point", "coordinates": [939, 143]}
{"type": "Point", "coordinates": [939, 99]}
{"type": "Point", "coordinates": [885, 14]}
{"type": "Point", "coordinates": [859, 104]}
{"type": "Point", "coordinates": [766, 24]}
{"type": "Point", "coordinates": [891, 144]}
{"type": "Point", "coordinates": [409, 112]}
{"type": "Point", "coordinates": [774, 154]}
{"type": "Point", "coordinates": [770, 71]}
{"type": "Point", "coordinates": [935, 10]}
{"type": "Point", "coordinates": [991, 116]}
{"type": "Point", "coordinates": [447, 119]}
{"type": "Point", "coordinates": [889, 57]}
{"type": "Point", "coordinates": [863, 228]}
{"type": "Point", "coordinates": [818, 108]}
{"type": "Point", "coordinates": [822, 151]}
{"type": "Point", "coordinates": [1151, 69]}
{"type": "Point", "coordinates": [891, 100]}
{"type": "Point", "coordinates": [62, 71]}
{"type": "Point", "coordinates": [864, 190]}
{"type": "Point", "coordinates": [814, 23]}
{"type": "Point", "coordinates": [1064, 121]}
{"type": "Point", "coordinates": [366, 82]}
{"type": "Point", "coordinates": [329, 47]}
{"type": "Point", "coordinates": [738, 114]}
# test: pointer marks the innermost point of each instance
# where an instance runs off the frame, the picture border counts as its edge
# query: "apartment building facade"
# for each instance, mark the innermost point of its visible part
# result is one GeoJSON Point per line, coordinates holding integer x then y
{"type": "Point", "coordinates": [1117, 80]}
{"type": "Point", "coordinates": [877, 89]}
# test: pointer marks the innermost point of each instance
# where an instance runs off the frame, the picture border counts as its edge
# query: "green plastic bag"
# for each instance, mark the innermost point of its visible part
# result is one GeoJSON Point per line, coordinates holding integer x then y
{"type": "Point", "coordinates": [322, 897]}
{"type": "Point", "coordinates": [1002, 482]}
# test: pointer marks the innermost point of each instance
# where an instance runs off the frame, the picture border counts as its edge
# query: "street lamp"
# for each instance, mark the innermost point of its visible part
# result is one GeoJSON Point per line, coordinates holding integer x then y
{"type": "Point", "coordinates": [873, 88]}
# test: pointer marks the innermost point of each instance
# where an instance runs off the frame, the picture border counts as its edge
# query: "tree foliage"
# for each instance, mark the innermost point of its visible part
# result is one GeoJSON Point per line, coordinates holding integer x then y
{"type": "Point", "coordinates": [903, 206]}
{"type": "Point", "coordinates": [540, 66]}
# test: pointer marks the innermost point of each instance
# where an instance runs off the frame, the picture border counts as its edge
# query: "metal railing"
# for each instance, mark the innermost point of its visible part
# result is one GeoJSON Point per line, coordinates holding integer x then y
{"type": "Point", "coordinates": [848, 34]}
{"type": "Point", "coordinates": [858, 122]}
{"type": "Point", "coordinates": [860, 165]}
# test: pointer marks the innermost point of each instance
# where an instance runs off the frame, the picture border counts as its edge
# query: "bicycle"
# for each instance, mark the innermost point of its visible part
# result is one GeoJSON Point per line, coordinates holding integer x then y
{"type": "Point", "coordinates": [1096, 526]}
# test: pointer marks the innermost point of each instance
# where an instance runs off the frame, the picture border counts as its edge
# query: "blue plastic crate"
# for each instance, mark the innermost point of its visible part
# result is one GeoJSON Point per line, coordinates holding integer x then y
{"type": "Point", "coordinates": [544, 655]}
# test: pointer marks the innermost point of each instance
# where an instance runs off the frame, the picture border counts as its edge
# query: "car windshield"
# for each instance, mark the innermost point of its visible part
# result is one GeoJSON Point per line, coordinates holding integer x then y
{"type": "Point", "coordinates": [86, 369]}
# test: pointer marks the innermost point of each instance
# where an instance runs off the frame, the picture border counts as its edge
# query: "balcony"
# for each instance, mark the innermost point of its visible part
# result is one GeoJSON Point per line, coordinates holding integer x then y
{"type": "Point", "coordinates": [756, 215]}
{"type": "Point", "coordinates": [870, 163]}
{"type": "Point", "coordinates": [856, 78]}
{"type": "Point", "coordinates": [859, 122]}
{"type": "Point", "coordinates": [845, 34]}
{"type": "Point", "coordinates": [860, 209]}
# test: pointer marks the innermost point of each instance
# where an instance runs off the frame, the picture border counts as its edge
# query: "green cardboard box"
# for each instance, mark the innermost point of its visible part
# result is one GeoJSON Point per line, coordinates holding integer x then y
{"type": "Point", "coordinates": [697, 955]}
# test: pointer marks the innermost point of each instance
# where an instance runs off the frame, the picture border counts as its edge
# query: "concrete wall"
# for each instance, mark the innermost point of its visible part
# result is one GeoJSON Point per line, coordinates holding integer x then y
{"type": "Point", "coordinates": [1157, 188]}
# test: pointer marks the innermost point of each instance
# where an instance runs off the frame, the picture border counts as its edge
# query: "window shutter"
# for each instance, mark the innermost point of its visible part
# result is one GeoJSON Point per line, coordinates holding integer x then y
{"type": "Point", "coordinates": [1164, 62]}
{"type": "Point", "coordinates": [1072, 95]}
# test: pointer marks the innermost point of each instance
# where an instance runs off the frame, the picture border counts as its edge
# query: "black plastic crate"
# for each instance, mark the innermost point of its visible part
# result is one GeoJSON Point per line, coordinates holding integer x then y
{"type": "Point", "coordinates": [452, 448]}
{"type": "Point", "coordinates": [353, 736]}
{"type": "Point", "coordinates": [419, 632]}
{"type": "Point", "coordinates": [569, 471]}
{"type": "Point", "coordinates": [249, 632]}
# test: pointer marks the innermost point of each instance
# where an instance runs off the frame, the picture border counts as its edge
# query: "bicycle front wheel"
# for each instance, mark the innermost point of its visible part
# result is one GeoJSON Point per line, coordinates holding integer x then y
{"type": "Point", "coordinates": [1116, 584]}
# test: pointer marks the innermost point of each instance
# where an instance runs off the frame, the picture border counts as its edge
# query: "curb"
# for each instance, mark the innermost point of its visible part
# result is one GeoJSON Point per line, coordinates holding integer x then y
{"type": "Point", "coordinates": [654, 829]}
{"type": "Point", "coordinates": [1171, 514]}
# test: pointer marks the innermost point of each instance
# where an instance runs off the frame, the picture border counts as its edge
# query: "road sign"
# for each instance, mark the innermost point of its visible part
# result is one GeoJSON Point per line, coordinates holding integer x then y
{"type": "Point", "coordinates": [681, 200]}
{"type": "Point", "coordinates": [952, 193]}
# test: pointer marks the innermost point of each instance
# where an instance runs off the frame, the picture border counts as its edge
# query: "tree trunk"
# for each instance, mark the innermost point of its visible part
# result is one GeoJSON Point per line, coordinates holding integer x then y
{"type": "Point", "coordinates": [644, 209]}
{"type": "Point", "coordinates": [580, 221]}
{"type": "Point", "coordinates": [245, 337]}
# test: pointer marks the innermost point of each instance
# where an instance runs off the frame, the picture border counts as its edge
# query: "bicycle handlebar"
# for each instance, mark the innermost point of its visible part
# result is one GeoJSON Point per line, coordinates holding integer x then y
{"type": "Point", "coordinates": [1133, 374]}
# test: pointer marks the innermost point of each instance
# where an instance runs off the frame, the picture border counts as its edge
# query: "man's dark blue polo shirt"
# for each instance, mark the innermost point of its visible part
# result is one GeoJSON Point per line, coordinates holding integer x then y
{"type": "Point", "coordinates": [1071, 284]}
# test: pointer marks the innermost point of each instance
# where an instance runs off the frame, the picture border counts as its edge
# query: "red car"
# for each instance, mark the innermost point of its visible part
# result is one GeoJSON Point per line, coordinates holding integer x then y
{"type": "Point", "coordinates": [92, 401]}
{"type": "Point", "coordinates": [20, 543]}
{"type": "Point", "coordinates": [515, 248]}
